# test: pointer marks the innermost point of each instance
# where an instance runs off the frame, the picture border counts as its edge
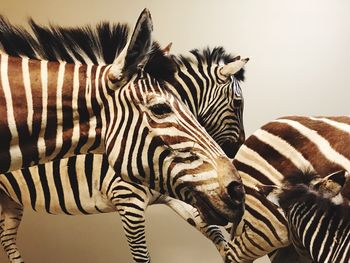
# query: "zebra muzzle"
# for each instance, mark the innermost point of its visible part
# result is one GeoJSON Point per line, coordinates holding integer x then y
{"type": "Point", "coordinates": [222, 200]}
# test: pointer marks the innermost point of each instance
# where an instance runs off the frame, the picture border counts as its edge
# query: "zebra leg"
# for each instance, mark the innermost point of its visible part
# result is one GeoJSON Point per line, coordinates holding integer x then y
{"type": "Point", "coordinates": [132, 212]}
{"type": "Point", "coordinates": [10, 219]}
{"type": "Point", "coordinates": [191, 215]}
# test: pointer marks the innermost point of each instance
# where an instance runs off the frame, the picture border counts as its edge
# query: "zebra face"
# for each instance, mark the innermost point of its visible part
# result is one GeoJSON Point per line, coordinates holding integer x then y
{"type": "Point", "coordinates": [208, 82]}
{"type": "Point", "coordinates": [153, 138]}
{"type": "Point", "coordinates": [166, 149]}
{"type": "Point", "coordinates": [222, 116]}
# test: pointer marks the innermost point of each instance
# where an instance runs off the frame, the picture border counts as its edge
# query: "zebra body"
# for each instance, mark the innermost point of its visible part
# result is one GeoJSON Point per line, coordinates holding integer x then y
{"type": "Point", "coordinates": [71, 187]}
{"type": "Point", "coordinates": [317, 215]}
{"type": "Point", "coordinates": [286, 146]}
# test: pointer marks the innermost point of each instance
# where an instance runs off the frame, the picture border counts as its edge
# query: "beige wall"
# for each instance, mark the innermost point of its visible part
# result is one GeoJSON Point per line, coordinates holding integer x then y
{"type": "Point", "coordinates": [300, 63]}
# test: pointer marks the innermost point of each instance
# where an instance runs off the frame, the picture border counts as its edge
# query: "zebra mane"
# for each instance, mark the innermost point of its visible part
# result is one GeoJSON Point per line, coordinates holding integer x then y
{"type": "Point", "coordinates": [209, 56]}
{"type": "Point", "coordinates": [298, 191]}
{"type": "Point", "coordinates": [98, 45]}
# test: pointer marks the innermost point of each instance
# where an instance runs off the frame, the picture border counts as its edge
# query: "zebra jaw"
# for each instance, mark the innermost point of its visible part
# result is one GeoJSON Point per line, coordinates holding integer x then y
{"type": "Point", "coordinates": [233, 67]}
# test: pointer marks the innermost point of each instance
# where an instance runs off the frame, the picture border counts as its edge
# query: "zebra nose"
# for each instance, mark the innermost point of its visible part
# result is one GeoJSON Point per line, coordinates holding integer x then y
{"type": "Point", "coordinates": [236, 192]}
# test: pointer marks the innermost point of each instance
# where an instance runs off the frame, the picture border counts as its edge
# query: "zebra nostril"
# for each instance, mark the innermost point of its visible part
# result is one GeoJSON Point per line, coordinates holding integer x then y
{"type": "Point", "coordinates": [236, 192]}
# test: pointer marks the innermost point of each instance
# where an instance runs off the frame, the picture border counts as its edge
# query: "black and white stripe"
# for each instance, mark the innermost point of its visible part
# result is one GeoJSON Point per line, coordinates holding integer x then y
{"type": "Point", "coordinates": [86, 184]}
{"type": "Point", "coordinates": [139, 160]}
{"type": "Point", "coordinates": [278, 149]}
{"type": "Point", "coordinates": [317, 215]}
{"type": "Point", "coordinates": [214, 99]}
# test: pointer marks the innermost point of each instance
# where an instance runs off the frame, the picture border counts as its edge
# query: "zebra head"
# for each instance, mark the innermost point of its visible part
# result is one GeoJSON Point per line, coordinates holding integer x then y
{"type": "Point", "coordinates": [155, 140]}
{"type": "Point", "coordinates": [213, 93]}
{"type": "Point", "coordinates": [297, 186]}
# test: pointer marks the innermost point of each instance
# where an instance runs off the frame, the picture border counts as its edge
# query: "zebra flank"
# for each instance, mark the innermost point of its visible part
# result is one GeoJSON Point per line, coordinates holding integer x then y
{"type": "Point", "coordinates": [280, 148]}
{"type": "Point", "coordinates": [48, 117]}
{"type": "Point", "coordinates": [62, 188]}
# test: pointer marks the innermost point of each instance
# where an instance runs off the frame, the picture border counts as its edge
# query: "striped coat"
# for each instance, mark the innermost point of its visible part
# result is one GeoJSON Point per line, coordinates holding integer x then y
{"type": "Point", "coordinates": [282, 147]}
{"type": "Point", "coordinates": [121, 110]}
{"type": "Point", "coordinates": [317, 215]}
{"type": "Point", "coordinates": [44, 188]}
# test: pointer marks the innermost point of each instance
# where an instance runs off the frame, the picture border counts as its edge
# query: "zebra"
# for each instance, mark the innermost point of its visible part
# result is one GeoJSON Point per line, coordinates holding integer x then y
{"type": "Point", "coordinates": [207, 59]}
{"type": "Point", "coordinates": [120, 110]}
{"type": "Point", "coordinates": [318, 217]}
{"type": "Point", "coordinates": [57, 182]}
{"type": "Point", "coordinates": [285, 146]}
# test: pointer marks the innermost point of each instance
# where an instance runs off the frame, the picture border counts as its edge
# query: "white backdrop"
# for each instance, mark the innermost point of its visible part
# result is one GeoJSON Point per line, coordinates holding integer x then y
{"type": "Point", "coordinates": [300, 64]}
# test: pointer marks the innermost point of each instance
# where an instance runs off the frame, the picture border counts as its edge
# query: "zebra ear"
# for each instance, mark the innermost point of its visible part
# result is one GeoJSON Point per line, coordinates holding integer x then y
{"type": "Point", "coordinates": [332, 184]}
{"type": "Point", "coordinates": [166, 50]}
{"type": "Point", "coordinates": [271, 192]}
{"type": "Point", "coordinates": [233, 67]}
{"type": "Point", "coordinates": [135, 51]}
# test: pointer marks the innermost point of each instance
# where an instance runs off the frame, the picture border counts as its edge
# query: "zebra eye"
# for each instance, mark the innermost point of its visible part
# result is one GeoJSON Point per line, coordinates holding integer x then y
{"type": "Point", "coordinates": [160, 109]}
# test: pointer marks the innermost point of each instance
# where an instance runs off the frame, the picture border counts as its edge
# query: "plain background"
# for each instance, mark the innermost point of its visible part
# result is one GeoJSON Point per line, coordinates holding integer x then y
{"type": "Point", "coordinates": [300, 64]}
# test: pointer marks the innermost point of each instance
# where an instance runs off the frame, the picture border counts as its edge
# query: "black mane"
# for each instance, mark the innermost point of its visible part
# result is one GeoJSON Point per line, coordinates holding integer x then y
{"type": "Point", "coordinates": [298, 192]}
{"type": "Point", "coordinates": [86, 44]}
{"type": "Point", "coordinates": [209, 56]}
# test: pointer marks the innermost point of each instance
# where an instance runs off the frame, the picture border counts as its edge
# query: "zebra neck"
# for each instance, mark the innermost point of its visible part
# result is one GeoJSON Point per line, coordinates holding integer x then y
{"type": "Point", "coordinates": [48, 110]}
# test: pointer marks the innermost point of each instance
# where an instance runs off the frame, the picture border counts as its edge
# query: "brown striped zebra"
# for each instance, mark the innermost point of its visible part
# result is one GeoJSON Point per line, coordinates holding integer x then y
{"type": "Point", "coordinates": [216, 101]}
{"type": "Point", "coordinates": [278, 149]}
{"type": "Point", "coordinates": [317, 215]}
{"type": "Point", "coordinates": [52, 110]}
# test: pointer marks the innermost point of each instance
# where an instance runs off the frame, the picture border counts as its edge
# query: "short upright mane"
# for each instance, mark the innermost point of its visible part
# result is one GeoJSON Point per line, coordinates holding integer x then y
{"type": "Point", "coordinates": [87, 44]}
{"type": "Point", "coordinates": [209, 56]}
